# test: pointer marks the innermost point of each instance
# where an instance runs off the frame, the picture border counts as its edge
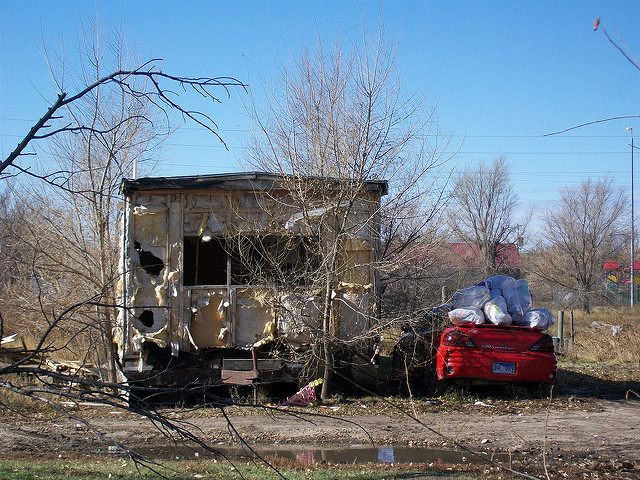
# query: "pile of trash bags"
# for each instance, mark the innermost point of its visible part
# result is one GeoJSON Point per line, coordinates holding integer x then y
{"type": "Point", "coordinates": [501, 300]}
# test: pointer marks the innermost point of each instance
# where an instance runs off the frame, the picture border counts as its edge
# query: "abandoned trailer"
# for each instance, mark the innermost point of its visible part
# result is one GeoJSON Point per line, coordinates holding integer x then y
{"type": "Point", "coordinates": [236, 278]}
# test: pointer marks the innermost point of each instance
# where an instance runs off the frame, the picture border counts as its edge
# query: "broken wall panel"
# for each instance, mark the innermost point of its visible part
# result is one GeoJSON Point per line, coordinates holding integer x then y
{"type": "Point", "coordinates": [354, 321]}
{"type": "Point", "coordinates": [173, 279]}
{"type": "Point", "coordinates": [204, 223]}
{"type": "Point", "coordinates": [298, 319]}
{"type": "Point", "coordinates": [148, 251]}
{"type": "Point", "coordinates": [208, 324]}
{"type": "Point", "coordinates": [250, 316]}
{"type": "Point", "coordinates": [149, 316]}
{"type": "Point", "coordinates": [356, 262]}
{"type": "Point", "coordinates": [150, 227]}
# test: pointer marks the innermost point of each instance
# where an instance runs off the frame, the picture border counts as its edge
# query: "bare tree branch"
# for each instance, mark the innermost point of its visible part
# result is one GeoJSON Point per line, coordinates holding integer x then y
{"type": "Point", "coordinates": [158, 95]}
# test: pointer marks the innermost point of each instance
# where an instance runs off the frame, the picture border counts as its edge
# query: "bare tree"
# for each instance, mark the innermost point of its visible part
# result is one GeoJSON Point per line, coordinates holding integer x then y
{"type": "Point", "coordinates": [482, 207]}
{"type": "Point", "coordinates": [122, 132]}
{"type": "Point", "coordinates": [341, 113]}
{"type": "Point", "coordinates": [7, 217]}
{"type": "Point", "coordinates": [585, 229]}
{"type": "Point", "coordinates": [95, 137]}
{"type": "Point", "coordinates": [58, 243]}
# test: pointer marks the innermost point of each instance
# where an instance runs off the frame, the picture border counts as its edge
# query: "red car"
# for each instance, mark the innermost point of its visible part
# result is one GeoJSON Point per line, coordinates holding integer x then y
{"type": "Point", "coordinates": [487, 353]}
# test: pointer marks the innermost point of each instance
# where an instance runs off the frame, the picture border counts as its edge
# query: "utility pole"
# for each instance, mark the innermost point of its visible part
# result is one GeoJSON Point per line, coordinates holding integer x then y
{"type": "Point", "coordinates": [632, 268]}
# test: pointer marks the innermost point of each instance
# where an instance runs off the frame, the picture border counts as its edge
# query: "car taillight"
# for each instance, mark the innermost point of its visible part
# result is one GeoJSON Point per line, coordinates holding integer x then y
{"type": "Point", "coordinates": [455, 338]}
{"type": "Point", "coordinates": [543, 344]}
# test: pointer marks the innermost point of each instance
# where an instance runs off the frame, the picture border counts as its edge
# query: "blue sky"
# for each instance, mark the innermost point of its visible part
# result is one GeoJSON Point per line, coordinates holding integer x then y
{"type": "Point", "coordinates": [500, 74]}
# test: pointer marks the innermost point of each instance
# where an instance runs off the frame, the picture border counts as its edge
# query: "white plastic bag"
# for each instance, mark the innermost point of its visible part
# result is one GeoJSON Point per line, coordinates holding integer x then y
{"type": "Point", "coordinates": [541, 318]}
{"type": "Point", "coordinates": [495, 310]}
{"type": "Point", "coordinates": [466, 315]}
{"type": "Point", "coordinates": [470, 297]}
{"type": "Point", "coordinates": [517, 295]}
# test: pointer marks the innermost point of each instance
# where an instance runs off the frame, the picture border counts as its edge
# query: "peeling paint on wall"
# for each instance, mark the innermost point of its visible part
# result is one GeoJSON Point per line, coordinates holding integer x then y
{"type": "Point", "coordinates": [150, 225]}
{"type": "Point", "coordinates": [149, 293]}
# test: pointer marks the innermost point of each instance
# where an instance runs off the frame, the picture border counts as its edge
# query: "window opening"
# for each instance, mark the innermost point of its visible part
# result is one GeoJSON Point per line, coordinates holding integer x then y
{"type": "Point", "coordinates": [254, 259]}
{"type": "Point", "coordinates": [204, 263]}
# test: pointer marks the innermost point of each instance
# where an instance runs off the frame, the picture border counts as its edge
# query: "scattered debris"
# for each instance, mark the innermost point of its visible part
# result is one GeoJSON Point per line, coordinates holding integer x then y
{"type": "Point", "coordinates": [9, 339]}
{"type": "Point", "coordinates": [15, 348]}
{"type": "Point", "coordinates": [304, 396]}
{"type": "Point", "coordinates": [482, 404]}
{"type": "Point", "coordinates": [83, 369]}
{"type": "Point", "coordinates": [615, 329]}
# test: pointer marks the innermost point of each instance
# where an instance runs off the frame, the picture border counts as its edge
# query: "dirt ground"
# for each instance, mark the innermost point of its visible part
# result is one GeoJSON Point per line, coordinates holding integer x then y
{"type": "Point", "coordinates": [590, 427]}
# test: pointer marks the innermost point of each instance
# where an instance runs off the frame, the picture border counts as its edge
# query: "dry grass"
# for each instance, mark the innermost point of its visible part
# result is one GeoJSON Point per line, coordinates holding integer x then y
{"type": "Point", "coordinates": [15, 402]}
{"type": "Point", "coordinates": [596, 338]}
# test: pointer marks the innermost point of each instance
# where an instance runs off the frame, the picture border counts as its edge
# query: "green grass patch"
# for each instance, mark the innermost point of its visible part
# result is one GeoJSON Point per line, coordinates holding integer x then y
{"type": "Point", "coordinates": [120, 469]}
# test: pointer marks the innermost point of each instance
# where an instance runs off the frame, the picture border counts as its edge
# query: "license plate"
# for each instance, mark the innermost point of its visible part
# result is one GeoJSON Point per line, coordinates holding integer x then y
{"type": "Point", "coordinates": [504, 368]}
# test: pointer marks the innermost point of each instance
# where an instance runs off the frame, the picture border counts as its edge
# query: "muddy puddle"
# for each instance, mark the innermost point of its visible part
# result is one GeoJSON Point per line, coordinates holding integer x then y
{"type": "Point", "coordinates": [353, 454]}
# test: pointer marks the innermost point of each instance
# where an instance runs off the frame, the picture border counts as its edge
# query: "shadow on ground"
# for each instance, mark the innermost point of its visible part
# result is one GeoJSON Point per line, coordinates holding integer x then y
{"type": "Point", "coordinates": [600, 381]}
{"type": "Point", "coordinates": [595, 381]}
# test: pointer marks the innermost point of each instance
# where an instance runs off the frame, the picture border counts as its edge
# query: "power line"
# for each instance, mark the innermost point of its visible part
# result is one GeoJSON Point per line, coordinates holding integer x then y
{"type": "Point", "coordinates": [246, 130]}
{"type": "Point", "coordinates": [462, 152]}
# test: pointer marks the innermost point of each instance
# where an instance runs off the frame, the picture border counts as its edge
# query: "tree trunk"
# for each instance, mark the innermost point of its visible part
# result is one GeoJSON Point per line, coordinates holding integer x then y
{"type": "Point", "coordinates": [327, 353]}
{"type": "Point", "coordinates": [327, 377]}
{"type": "Point", "coordinates": [490, 253]}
